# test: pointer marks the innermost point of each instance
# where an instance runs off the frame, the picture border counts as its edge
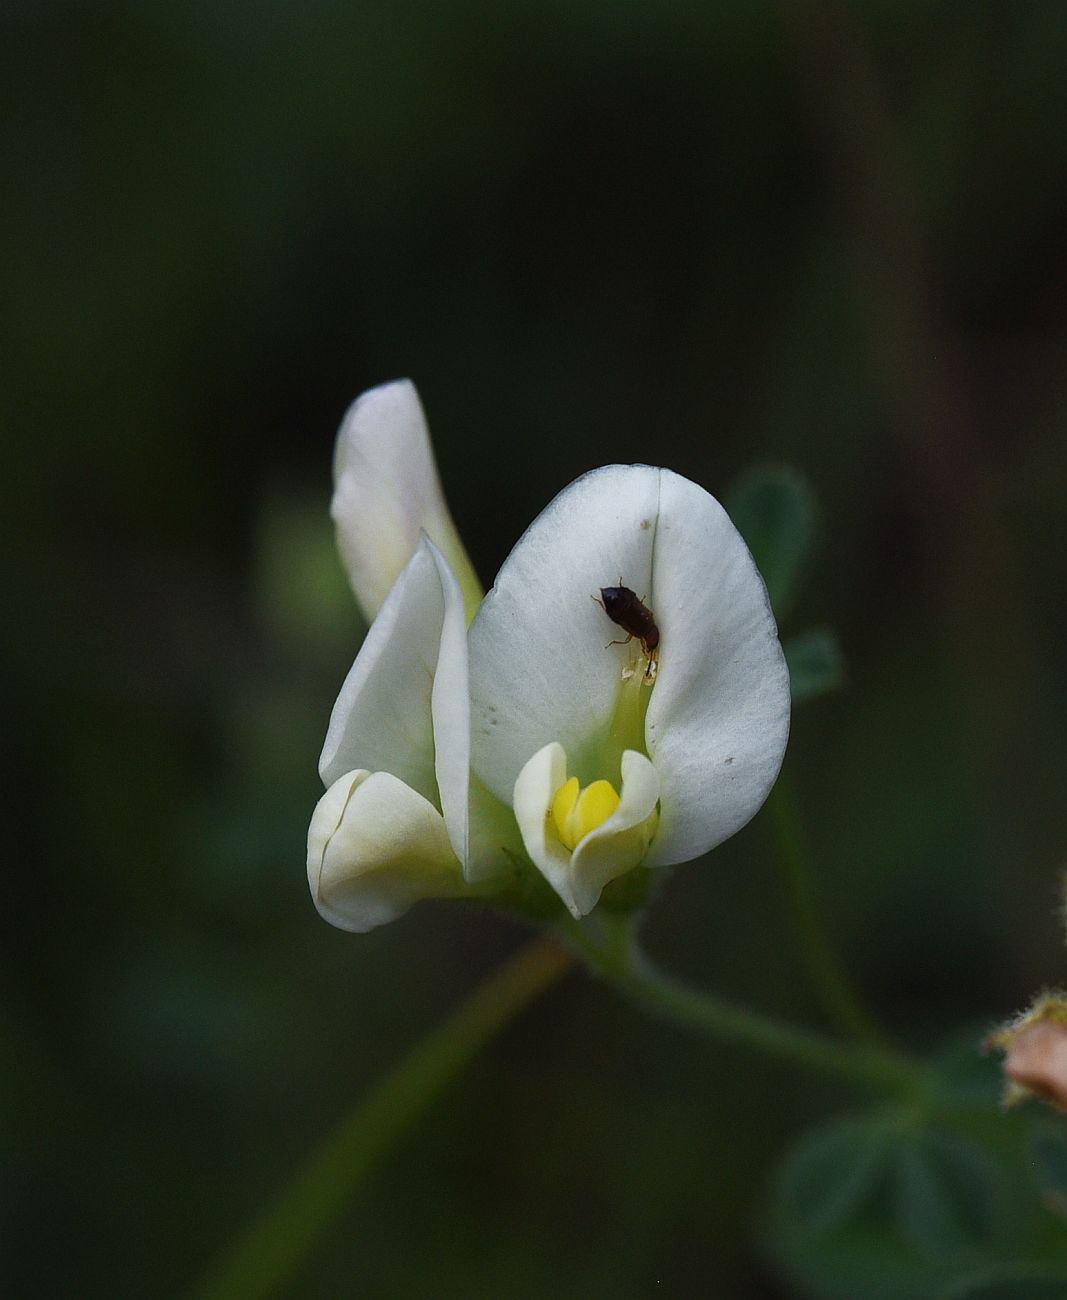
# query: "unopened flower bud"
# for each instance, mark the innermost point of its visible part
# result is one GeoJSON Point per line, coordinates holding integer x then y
{"type": "Point", "coordinates": [1035, 1047]}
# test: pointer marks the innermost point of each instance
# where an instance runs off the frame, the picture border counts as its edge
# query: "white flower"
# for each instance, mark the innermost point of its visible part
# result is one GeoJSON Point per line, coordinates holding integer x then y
{"type": "Point", "coordinates": [392, 827]}
{"type": "Point", "coordinates": [402, 818]}
{"type": "Point", "coordinates": [547, 745]}
{"type": "Point", "coordinates": [699, 733]}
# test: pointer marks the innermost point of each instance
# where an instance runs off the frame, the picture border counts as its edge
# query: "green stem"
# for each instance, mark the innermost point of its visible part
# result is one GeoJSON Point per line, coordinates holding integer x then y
{"type": "Point", "coordinates": [268, 1255]}
{"type": "Point", "coordinates": [717, 1018]}
{"type": "Point", "coordinates": [270, 1252]}
{"type": "Point", "coordinates": [714, 1017]}
{"type": "Point", "coordinates": [843, 1004]}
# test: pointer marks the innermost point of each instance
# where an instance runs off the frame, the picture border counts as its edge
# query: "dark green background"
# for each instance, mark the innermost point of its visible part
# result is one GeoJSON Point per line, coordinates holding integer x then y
{"type": "Point", "coordinates": [691, 234]}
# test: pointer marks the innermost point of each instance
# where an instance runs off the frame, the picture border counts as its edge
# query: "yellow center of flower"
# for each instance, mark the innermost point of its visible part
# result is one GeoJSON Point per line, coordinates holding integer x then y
{"type": "Point", "coordinates": [577, 812]}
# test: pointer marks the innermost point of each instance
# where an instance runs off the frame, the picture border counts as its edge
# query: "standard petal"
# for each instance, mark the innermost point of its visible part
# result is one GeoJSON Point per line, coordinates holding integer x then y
{"type": "Point", "coordinates": [375, 847]}
{"type": "Point", "coordinates": [387, 491]}
{"type": "Point", "coordinates": [404, 706]}
{"type": "Point", "coordinates": [541, 669]}
{"type": "Point", "coordinates": [620, 843]}
{"type": "Point", "coordinates": [535, 787]}
{"type": "Point", "coordinates": [718, 717]}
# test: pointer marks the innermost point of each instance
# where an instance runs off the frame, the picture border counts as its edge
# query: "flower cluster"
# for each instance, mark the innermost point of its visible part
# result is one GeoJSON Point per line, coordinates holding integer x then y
{"type": "Point", "coordinates": [477, 740]}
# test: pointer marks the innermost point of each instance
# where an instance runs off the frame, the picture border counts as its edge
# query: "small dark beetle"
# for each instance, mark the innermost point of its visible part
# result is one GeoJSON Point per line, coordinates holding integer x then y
{"type": "Point", "coordinates": [623, 607]}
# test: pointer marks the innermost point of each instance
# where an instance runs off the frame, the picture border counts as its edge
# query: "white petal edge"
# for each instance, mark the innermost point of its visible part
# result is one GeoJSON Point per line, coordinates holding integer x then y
{"type": "Point", "coordinates": [535, 788]}
{"type": "Point", "coordinates": [541, 670]}
{"type": "Point", "coordinates": [450, 704]}
{"type": "Point", "coordinates": [718, 719]}
{"type": "Point", "coordinates": [375, 847]}
{"type": "Point", "coordinates": [404, 706]}
{"type": "Point", "coordinates": [386, 491]}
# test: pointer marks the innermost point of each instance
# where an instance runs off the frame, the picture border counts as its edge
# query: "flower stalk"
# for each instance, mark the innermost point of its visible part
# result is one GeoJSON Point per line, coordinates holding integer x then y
{"type": "Point", "coordinates": [842, 1003]}
{"type": "Point", "coordinates": [608, 946]}
{"type": "Point", "coordinates": [265, 1259]}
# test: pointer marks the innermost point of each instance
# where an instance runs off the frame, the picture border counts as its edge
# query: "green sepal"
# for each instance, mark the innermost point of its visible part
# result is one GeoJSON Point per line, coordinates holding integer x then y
{"type": "Point", "coordinates": [523, 889]}
{"type": "Point", "coordinates": [632, 891]}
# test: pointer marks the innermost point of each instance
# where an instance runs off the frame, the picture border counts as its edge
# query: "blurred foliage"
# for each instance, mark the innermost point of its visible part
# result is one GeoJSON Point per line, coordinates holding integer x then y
{"type": "Point", "coordinates": [774, 509]}
{"type": "Point", "coordinates": [815, 663]}
{"type": "Point", "coordinates": [888, 1207]}
{"type": "Point", "coordinates": [817, 234]}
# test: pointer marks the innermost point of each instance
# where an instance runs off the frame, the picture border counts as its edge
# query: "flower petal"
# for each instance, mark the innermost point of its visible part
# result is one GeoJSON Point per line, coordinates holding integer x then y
{"type": "Point", "coordinates": [375, 846]}
{"type": "Point", "coordinates": [620, 843]}
{"type": "Point", "coordinates": [718, 719]}
{"type": "Point", "coordinates": [616, 846]}
{"type": "Point", "coordinates": [718, 714]}
{"type": "Point", "coordinates": [535, 787]}
{"type": "Point", "coordinates": [386, 490]}
{"type": "Point", "coordinates": [404, 706]}
{"type": "Point", "coordinates": [540, 669]}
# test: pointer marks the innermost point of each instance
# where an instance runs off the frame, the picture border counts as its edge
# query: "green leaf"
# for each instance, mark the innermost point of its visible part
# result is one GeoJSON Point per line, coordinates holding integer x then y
{"type": "Point", "coordinates": [948, 1194]}
{"type": "Point", "coordinates": [816, 664]}
{"type": "Point", "coordinates": [833, 1171]}
{"type": "Point", "coordinates": [882, 1207]}
{"type": "Point", "coordinates": [968, 1075]}
{"type": "Point", "coordinates": [773, 508]}
{"type": "Point", "coordinates": [1024, 1285]}
{"type": "Point", "coordinates": [829, 1224]}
